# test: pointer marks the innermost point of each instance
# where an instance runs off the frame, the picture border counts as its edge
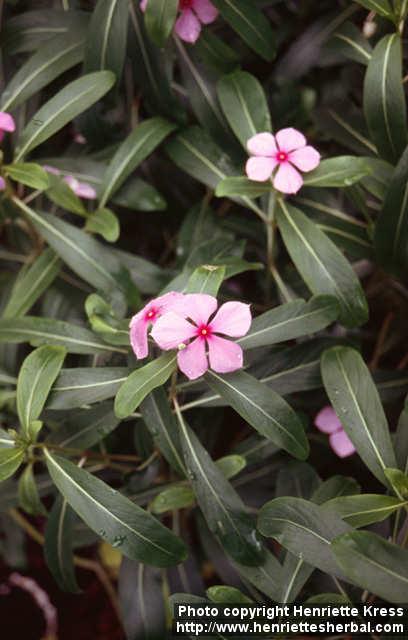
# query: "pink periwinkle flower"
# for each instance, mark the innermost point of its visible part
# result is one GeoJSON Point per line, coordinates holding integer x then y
{"type": "Point", "coordinates": [327, 422]}
{"type": "Point", "coordinates": [81, 189]}
{"type": "Point", "coordinates": [140, 323]}
{"type": "Point", "coordinates": [288, 151]}
{"type": "Point", "coordinates": [7, 124]}
{"type": "Point", "coordinates": [194, 336]}
{"type": "Point", "coordinates": [193, 13]}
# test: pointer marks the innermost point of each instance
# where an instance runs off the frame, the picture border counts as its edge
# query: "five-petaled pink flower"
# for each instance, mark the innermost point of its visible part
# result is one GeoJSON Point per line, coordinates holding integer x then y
{"type": "Point", "coordinates": [327, 422]}
{"type": "Point", "coordinates": [193, 13]}
{"type": "Point", "coordinates": [286, 150]}
{"type": "Point", "coordinates": [173, 331]}
{"type": "Point", "coordinates": [6, 124]}
{"type": "Point", "coordinates": [140, 323]}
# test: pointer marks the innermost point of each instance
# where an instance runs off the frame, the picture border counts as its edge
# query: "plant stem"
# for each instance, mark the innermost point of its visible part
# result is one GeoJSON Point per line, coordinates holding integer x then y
{"type": "Point", "coordinates": [270, 242]}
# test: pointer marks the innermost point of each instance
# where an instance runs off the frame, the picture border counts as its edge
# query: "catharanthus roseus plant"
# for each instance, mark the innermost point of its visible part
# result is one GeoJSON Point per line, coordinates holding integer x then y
{"type": "Point", "coordinates": [203, 301]}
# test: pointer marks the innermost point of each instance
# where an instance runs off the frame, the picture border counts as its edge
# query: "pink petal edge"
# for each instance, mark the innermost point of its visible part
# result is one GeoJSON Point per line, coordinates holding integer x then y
{"type": "Point", "coordinates": [199, 307]}
{"type": "Point", "coordinates": [138, 336]}
{"type": "Point", "coordinates": [188, 26]}
{"type": "Point", "coordinates": [287, 179]}
{"type": "Point", "coordinates": [192, 360]}
{"type": "Point", "coordinates": [7, 122]}
{"type": "Point", "coordinates": [305, 159]}
{"type": "Point", "coordinates": [341, 444]}
{"type": "Point", "coordinates": [171, 330]}
{"type": "Point", "coordinates": [290, 139]}
{"type": "Point", "coordinates": [260, 169]}
{"type": "Point", "coordinates": [262, 144]}
{"type": "Point", "coordinates": [205, 11]}
{"type": "Point", "coordinates": [327, 421]}
{"type": "Point", "coordinates": [232, 319]}
{"type": "Point", "coordinates": [225, 356]}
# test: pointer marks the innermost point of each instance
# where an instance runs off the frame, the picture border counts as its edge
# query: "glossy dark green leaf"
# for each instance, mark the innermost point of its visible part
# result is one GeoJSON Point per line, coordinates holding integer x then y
{"type": "Point", "coordinates": [365, 509]}
{"type": "Point", "coordinates": [160, 16]}
{"type": "Point", "coordinates": [28, 495]}
{"type": "Point", "coordinates": [58, 544]}
{"type": "Point", "coordinates": [29, 174]}
{"type": "Point", "coordinates": [342, 171]}
{"type": "Point", "coordinates": [242, 187]}
{"type": "Point", "coordinates": [382, 7]}
{"type": "Point", "coordinates": [107, 36]}
{"type": "Point", "coordinates": [355, 399]}
{"type": "Point", "coordinates": [114, 517]}
{"type": "Point", "coordinates": [401, 439]}
{"type": "Point", "coordinates": [384, 101]}
{"type": "Point", "coordinates": [206, 279]}
{"type": "Point", "coordinates": [82, 430]}
{"type": "Point", "coordinates": [321, 264]}
{"type": "Point", "coordinates": [350, 42]}
{"type": "Point", "coordinates": [86, 385]}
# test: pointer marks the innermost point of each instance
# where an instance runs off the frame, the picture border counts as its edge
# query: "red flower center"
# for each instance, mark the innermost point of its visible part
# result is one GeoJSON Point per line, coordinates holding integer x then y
{"type": "Point", "coordinates": [151, 314]}
{"type": "Point", "coordinates": [204, 331]}
{"type": "Point", "coordinates": [282, 156]}
{"type": "Point", "coordinates": [185, 4]}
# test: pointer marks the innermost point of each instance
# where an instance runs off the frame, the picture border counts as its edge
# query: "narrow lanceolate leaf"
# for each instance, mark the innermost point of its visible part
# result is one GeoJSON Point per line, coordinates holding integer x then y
{"type": "Point", "coordinates": [391, 231]}
{"type": "Point", "coordinates": [29, 174]}
{"type": "Point", "coordinates": [321, 265]}
{"type": "Point", "coordinates": [28, 495]}
{"type": "Point", "coordinates": [37, 375]}
{"type": "Point", "coordinates": [242, 187]}
{"type": "Point", "coordinates": [382, 7]}
{"type": "Point", "coordinates": [362, 510]}
{"type": "Point", "coordinates": [10, 460]}
{"type": "Point", "coordinates": [31, 283]}
{"type": "Point", "coordinates": [107, 37]}
{"type": "Point", "coordinates": [51, 60]}
{"type": "Point", "coordinates": [264, 409]}
{"type": "Point", "coordinates": [141, 382]}
{"type": "Point", "coordinates": [292, 320]}
{"type": "Point", "coordinates": [244, 104]}
{"type": "Point", "coordinates": [305, 529]}
{"type": "Point", "coordinates": [39, 331]}
{"type": "Point", "coordinates": [162, 425]}
{"type": "Point", "coordinates": [206, 279]}
{"type": "Point", "coordinates": [74, 99]}
{"type": "Point", "coordinates": [114, 517]}
{"type": "Point", "coordinates": [84, 429]}
{"type": "Point", "coordinates": [384, 101]}
{"type": "Point", "coordinates": [137, 146]}
{"type": "Point", "coordinates": [342, 171]}
{"type": "Point", "coordinates": [86, 385]}
{"type": "Point", "coordinates": [160, 16]}
{"type": "Point", "coordinates": [250, 23]}
{"type": "Point", "coordinates": [222, 507]}
{"type": "Point", "coordinates": [350, 42]}
{"type": "Point", "coordinates": [374, 564]}
{"type": "Point", "coordinates": [82, 253]}
{"type": "Point", "coordinates": [355, 399]}
{"type": "Point", "coordinates": [58, 545]}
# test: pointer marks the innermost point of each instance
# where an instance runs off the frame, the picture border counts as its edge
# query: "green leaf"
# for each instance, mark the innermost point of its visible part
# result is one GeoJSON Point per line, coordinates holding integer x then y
{"type": "Point", "coordinates": [321, 265]}
{"type": "Point", "coordinates": [362, 510]}
{"type": "Point", "coordinates": [391, 230]}
{"type": "Point", "coordinates": [398, 480]}
{"type": "Point", "coordinates": [114, 517]}
{"type": "Point", "coordinates": [31, 283]}
{"type": "Point", "coordinates": [10, 460]}
{"type": "Point", "coordinates": [374, 564]}
{"type": "Point", "coordinates": [37, 375]}
{"type": "Point", "coordinates": [335, 487]}
{"type": "Point", "coordinates": [29, 174]}
{"type": "Point", "coordinates": [86, 385]}
{"type": "Point", "coordinates": [142, 381]}
{"type": "Point", "coordinates": [137, 146]}
{"type": "Point", "coordinates": [264, 409]}
{"type": "Point", "coordinates": [355, 399]}
{"type": "Point", "coordinates": [61, 194]}
{"type": "Point", "coordinates": [58, 545]}
{"type": "Point", "coordinates": [382, 7]}
{"type": "Point", "coordinates": [291, 320]}
{"type": "Point", "coordinates": [160, 16]}
{"type": "Point", "coordinates": [384, 101]}
{"type": "Point", "coordinates": [39, 331]}
{"type": "Point", "coordinates": [75, 98]}
{"type": "Point", "coordinates": [242, 187]}
{"type": "Point", "coordinates": [51, 60]}
{"type": "Point", "coordinates": [305, 529]}
{"type": "Point", "coordinates": [243, 101]}
{"type": "Point", "coordinates": [107, 37]}
{"type": "Point", "coordinates": [28, 496]}
{"type": "Point", "coordinates": [222, 508]}
{"type": "Point", "coordinates": [250, 23]}
{"type": "Point", "coordinates": [7, 440]}
{"type": "Point", "coordinates": [104, 222]}
{"type": "Point", "coordinates": [231, 465]}
{"type": "Point", "coordinates": [350, 42]}
{"type": "Point", "coordinates": [227, 595]}
{"type": "Point", "coordinates": [179, 496]}
{"type": "Point", "coordinates": [206, 279]}
{"type": "Point", "coordinates": [82, 430]}
{"type": "Point", "coordinates": [342, 171]}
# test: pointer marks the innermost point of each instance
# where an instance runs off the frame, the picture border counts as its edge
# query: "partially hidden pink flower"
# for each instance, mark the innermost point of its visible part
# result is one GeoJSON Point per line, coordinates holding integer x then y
{"type": "Point", "coordinates": [7, 124]}
{"type": "Point", "coordinates": [287, 151]}
{"type": "Point", "coordinates": [2, 183]}
{"type": "Point", "coordinates": [327, 422]}
{"type": "Point", "coordinates": [193, 13]}
{"type": "Point", "coordinates": [81, 189]}
{"type": "Point", "coordinates": [140, 323]}
{"type": "Point", "coordinates": [194, 336]}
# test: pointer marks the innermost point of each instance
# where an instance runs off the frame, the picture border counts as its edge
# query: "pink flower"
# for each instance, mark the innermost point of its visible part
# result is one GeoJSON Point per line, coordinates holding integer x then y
{"type": "Point", "coordinates": [327, 422]}
{"type": "Point", "coordinates": [148, 316]}
{"type": "Point", "coordinates": [286, 150]}
{"type": "Point", "coordinates": [2, 184]}
{"type": "Point", "coordinates": [6, 124]}
{"type": "Point", "coordinates": [193, 13]}
{"type": "Point", "coordinates": [81, 189]}
{"type": "Point", "coordinates": [172, 331]}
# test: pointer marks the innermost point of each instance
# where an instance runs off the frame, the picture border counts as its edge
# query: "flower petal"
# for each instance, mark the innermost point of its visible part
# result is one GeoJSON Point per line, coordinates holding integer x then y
{"type": "Point", "coordinates": [199, 307]}
{"type": "Point", "coordinates": [233, 319]}
{"type": "Point", "coordinates": [287, 179]}
{"type": "Point", "coordinates": [225, 356]}
{"type": "Point", "coordinates": [192, 360]}
{"type": "Point", "coordinates": [262, 144]}
{"type": "Point", "coordinates": [290, 139]}
{"type": "Point", "coordinates": [341, 444]}
{"type": "Point", "coordinates": [86, 191]}
{"type": "Point", "coordinates": [205, 10]}
{"type": "Point", "coordinates": [171, 330]}
{"type": "Point", "coordinates": [305, 159]}
{"type": "Point", "coordinates": [49, 169]}
{"type": "Point", "coordinates": [138, 336]}
{"type": "Point", "coordinates": [260, 169]}
{"type": "Point", "coordinates": [188, 26]}
{"type": "Point", "coordinates": [143, 5]}
{"type": "Point", "coordinates": [7, 122]}
{"type": "Point", "coordinates": [2, 184]}
{"type": "Point", "coordinates": [171, 301]}
{"type": "Point", "coordinates": [327, 421]}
